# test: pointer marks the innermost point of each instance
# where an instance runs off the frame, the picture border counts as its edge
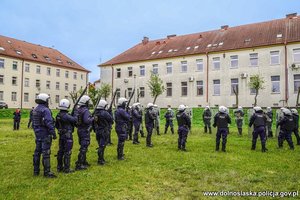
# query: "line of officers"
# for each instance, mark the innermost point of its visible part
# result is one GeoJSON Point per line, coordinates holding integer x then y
{"type": "Point", "coordinates": [101, 122]}
{"type": "Point", "coordinates": [260, 124]}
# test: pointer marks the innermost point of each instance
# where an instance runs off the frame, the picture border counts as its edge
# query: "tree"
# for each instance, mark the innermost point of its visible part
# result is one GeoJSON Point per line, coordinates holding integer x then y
{"type": "Point", "coordinates": [256, 83]}
{"type": "Point", "coordinates": [156, 86]}
{"type": "Point", "coordinates": [235, 89]}
{"type": "Point", "coordinates": [105, 90]}
{"type": "Point", "coordinates": [75, 94]}
{"type": "Point", "coordinates": [93, 93]}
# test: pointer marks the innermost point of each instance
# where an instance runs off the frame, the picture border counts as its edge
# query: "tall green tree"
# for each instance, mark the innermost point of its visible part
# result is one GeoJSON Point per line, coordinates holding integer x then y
{"type": "Point", "coordinates": [93, 93]}
{"type": "Point", "coordinates": [75, 94]}
{"type": "Point", "coordinates": [156, 86]}
{"type": "Point", "coordinates": [105, 90]}
{"type": "Point", "coordinates": [256, 83]}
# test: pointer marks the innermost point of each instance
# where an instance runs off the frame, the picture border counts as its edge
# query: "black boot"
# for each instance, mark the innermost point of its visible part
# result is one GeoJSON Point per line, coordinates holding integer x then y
{"type": "Point", "coordinates": [253, 146]}
{"type": "Point", "coordinates": [79, 162]}
{"type": "Point", "coordinates": [223, 147]}
{"type": "Point", "coordinates": [172, 130]}
{"type": "Point", "coordinates": [47, 172]}
{"type": "Point", "coordinates": [101, 160]}
{"type": "Point", "coordinates": [148, 142]}
{"type": "Point", "coordinates": [217, 146]}
{"type": "Point", "coordinates": [205, 129]}
{"type": "Point", "coordinates": [59, 162]}
{"type": "Point", "coordinates": [263, 148]}
{"type": "Point", "coordinates": [270, 134]}
{"type": "Point", "coordinates": [183, 147]}
{"type": "Point", "coordinates": [36, 164]}
{"type": "Point", "coordinates": [240, 131]}
{"type": "Point", "coordinates": [67, 161]}
{"type": "Point", "coordinates": [166, 130]}
{"type": "Point", "coordinates": [209, 129]}
{"type": "Point", "coordinates": [120, 151]}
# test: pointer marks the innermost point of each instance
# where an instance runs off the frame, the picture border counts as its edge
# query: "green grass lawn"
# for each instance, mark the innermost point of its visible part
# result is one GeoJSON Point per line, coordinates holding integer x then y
{"type": "Point", "coordinates": [160, 172]}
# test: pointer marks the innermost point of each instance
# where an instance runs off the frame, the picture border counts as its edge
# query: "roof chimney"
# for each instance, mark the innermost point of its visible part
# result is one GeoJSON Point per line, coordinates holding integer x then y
{"type": "Point", "coordinates": [170, 36]}
{"type": "Point", "coordinates": [145, 40]}
{"type": "Point", "coordinates": [224, 27]}
{"type": "Point", "coordinates": [291, 15]}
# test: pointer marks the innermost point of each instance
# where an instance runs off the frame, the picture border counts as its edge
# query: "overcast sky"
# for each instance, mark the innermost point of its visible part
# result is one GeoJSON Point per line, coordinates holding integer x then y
{"type": "Point", "coordinates": [93, 31]}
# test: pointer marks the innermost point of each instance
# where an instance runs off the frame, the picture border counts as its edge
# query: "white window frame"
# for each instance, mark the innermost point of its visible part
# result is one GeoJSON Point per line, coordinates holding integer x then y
{"type": "Point", "coordinates": [15, 65]}
{"type": "Point", "coordinates": [14, 79]}
{"type": "Point", "coordinates": [142, 92]}
{"type": "Point", "coordinates": [199, 85]}
{"type": "Point", "coordinates": [130, 71]}
{"type": "Point", "coordinates": [169, 67]}
{"type": "Point", "coordinates": [276, 82]}
{"type": "Point", "coordinates": [233, 84]}
{"type": "Point", "coordinates": [2, 63]}
{"type": "Point", "coordinates": [26, 97]}
{"type": "Point", "coordinates": [155, 68]}
{"type": "Point", "coordinates": [296, 81]}
{"type": "Point", "coordinates": [56, 98]}
{"type": "Point", "coordinates": [57, 72]}
{"type": "Point", "coordinates": [38, 83]}
{"type": "Point", "coordinates": [216, 63]}
{"type": "Point", "coordinates": [199, 65]}
{"type": "Point", "coordinates": [184, 67]}
{"type": "Point", "coordinates": [66, 86]}
{"type": "Point", "coordinates": [13, 96]}
{"type": "Point", "coordinates": [2, 82]}
{"type": "Point", "coordinates": [169, 88]}
{"type": "Point", "coordinates": [252, 58]}
{"type": "Point", "coordinates": [118, 73]}
{"type": "Point", "coordinates": [74, 87]}
{"type": "Point", "coordinates": [38, 69]}
{"type": "Point", "coordinates": [216, 86]}
{"type": "Point", "coordinates": [184, 87]}
{"type": "Point", "coordinates": [48, 85]}
{"type": "Point", "coordinates": [271, 56]}
{"type": "Point", "coordinates": [75, 75]}
{"type": "Point", "coordinates": [27, 67]}
{"type": "Point", "coordinates": [297, 52]}
{"type": "Point", "coordinates": [66, 74]}
{"type": "Point", "coordinates": [233, 59]}
{"type": "Point", "coordinates": [26, 82]}
{"type": "Point", "coordinates": [142, 70]}
{"type": "Point", "coordinates": [57, 86]}
{"type": "Point", "coordinates": [48, 71]}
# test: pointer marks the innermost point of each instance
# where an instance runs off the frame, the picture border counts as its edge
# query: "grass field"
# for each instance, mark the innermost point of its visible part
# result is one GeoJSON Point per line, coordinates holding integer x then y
{"type": "Point", "coordinates": [160, 172]}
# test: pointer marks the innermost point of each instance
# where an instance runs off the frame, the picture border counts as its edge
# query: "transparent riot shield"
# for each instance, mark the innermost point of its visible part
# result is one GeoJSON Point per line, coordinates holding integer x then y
{"type": "Point", "coordinates": [238, 115]}
{"type": "Point", "coordinates": [268, 124]}
{"type": "Point", "coordinates": [189, 112]}
{"type": "Point", "coordinates": [156, 112]}
{"type": "Point", "coordinates": [214, 111]}
{"type": "Point", "coordinates": [141, 112]}
{"type": "Point", "coordinates": [279, 116]}
{"type": "Point", "coordinates": [250, 112]}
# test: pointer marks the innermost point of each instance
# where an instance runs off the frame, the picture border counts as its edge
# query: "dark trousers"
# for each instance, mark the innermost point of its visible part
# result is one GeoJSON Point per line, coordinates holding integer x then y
{"type": "Point", "coordinates": [221, 132]}
{"type": "Point", "coordinates": [16, 124]}
{"type": "Point", "coordinates": [42, 147]}
{"type": "Point", "coordinates": [285, 135]}
{"type": "Point", "coordinates": [182, 137]}
{"type": "Point", "coordinates": [149, 128]}
{"type": "Point", "coordinates": [261, 132]}
{"type": "Point", "coordinates": [169, 123]}
{"type": "Point", "coordinates": [136, 131]}
{"type": "Point", "coordinates": [296, 132]}
{"type": "Point", "coordinates": [65, 146]}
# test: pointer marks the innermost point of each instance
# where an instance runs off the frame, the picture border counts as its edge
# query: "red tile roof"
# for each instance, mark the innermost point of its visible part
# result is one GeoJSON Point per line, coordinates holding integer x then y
{"type": "Point", "coordinates": [226, 38]}
{"type": "Point", "coordinates": [23, 50]}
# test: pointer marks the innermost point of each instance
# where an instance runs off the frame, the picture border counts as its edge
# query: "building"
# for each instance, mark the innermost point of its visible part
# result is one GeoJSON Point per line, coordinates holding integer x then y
{"type": "Point", "coordinates": [28, 69]}
{"type": "Point", "coordinates": [205, 68]}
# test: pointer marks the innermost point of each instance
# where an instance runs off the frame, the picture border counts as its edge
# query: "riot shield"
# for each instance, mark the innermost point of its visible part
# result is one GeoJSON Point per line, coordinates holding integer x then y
{"type": "Point", "coordinates": [156, 112]}
{"type": "Point", "coordinates": [214, 111]}
{"type": "Point", "coordinates": [250, 112]}
{"type": "Point", "coordinates": [239, 120]}
{"type": "Point", "coordinates": [189, 112]}
{"type": "Point", "coordinates": [279, 116]}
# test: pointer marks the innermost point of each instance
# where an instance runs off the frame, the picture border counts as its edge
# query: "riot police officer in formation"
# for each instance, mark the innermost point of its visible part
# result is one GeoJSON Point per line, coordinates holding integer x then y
{"type": "Point", "coordinates": [121, 120]}
{"type": "Point", "coordinates": [137, 120]}
{"type": "Point", "coordinates": [269, 115]}
{"type": "Point", "coordinates": [84, 122]}
{"type": "Point", "coordinates": [64, 123]}
{"type": "Point", "coordinates": [101, 126]}
{"type": "Point", "coordinates": [239, 114]}
{"type": "Point", "coordinates": [296, 128]}
{"type": "Point", "coordinates": [169, 115]}
{"type": "Point", "coordinates": [43, 126]}
{"type": "Point", "coordinates": [221, 121]}
{"type": "Point", "coordinates": [150, 116]}
{"type": "Point", "coordinates": [258, 120]}
{"type": "Point", "coordinates": [287, 125]}
{"type": "Point", "coordinates": [184, 125]}
{"type": "Point", "coordinates": [206, 116]}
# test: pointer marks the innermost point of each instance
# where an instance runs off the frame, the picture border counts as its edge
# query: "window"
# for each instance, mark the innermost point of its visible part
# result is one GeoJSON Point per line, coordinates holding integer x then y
{"type": "Point", "coordinates": [275, 84]}
{"type": "Point", "coordinates": [252, 90]}
{"type": "Point", "coordinates": [37, 83]}
{"type": "Point", "coordinates": [155, 68]}
{"type": "Point", "coordinates": [169, 89]}
{"type": "Point", "coordinates": [75, 75]}
{"type": "Point", "coordinates": [15, 65]}
{"type": "Point", "coordinates": [199, 88]}
{"type": "Point", "coordinates": [199, 63]}
{"type": "Point", "coordinates": [129, 92]}
{"type": "Point", "coordinates": [27, 67]}
{"type": "Point", "coordinates": [58, 72]}
{"type": "Point", "coordinates": [1, 63]}
{"type": "Point", "coordinates": [216, 63]}
{"type": "Point", "coordinates": [57, 86]}
{"type": "Point", "coordinates": [67, 74]}
{"type": "Point", "coordinates": [234, 86]}
{"type": "Point", "coordinates": [14, 80]}
{"type": "Point", "coordinates": [118, 73]}
{"type": "Point", "coordinates": [142, 92]}
{"type": "Point", "coordinates": [13, 96]}
{"type": "Point", "coordinates": [66, 86]}
{"type": "Point", "coordinates": [217, 85]}
{"type": "Point", "coordinates": [296, 55]}
{"type": "Point", "coordinates": [142, 70]}
{"type": "Point", "coordinates": [296, 82]}
{"type": "Point", "coordinates": [274, 55]}
{"type": "Point", "coordinates": [118, 95]}
{"type": "Point", "coordinates": [129, 71]}
{"type": "Point", "coordinates": [1, 95]}
{"type": "Point", "coordinates": [56, 98]}
{"type": "Point", "coordinates": [74, 87]}
{"type": "Point", "coordinates": [48, 71]}
{"type": "Point", "coordinates": [47, 84]}
{"type": "Point", "coordinates": [1, 79]}
{"type": "Point", "coordinates": [81, 76]}
{"type": "Point", "coordinates": [184, 66]}
{"type": "Point", "coordinates": [234, 61]}
{"type": "Point", "coordinates": [184, 89]}
{"type": "Point", "coordinates": [169, 68]}
{"type": "Point", "coordinates": [254, 59]}
{"type": "Point", "coordinates": [38, 69]}
{"type": "Point", "coordinates": [26, 97]}
{"type": "Point", "coordinates": [26, 82]}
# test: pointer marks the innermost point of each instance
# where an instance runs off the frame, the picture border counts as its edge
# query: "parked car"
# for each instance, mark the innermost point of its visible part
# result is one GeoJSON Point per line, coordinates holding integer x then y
{"type": "Point", "coordinates": [3, 105]}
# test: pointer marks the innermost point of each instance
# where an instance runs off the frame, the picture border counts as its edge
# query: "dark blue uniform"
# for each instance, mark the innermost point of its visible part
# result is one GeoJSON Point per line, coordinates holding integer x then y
{"type": "Point", "coordinates": [65, 125]}
{"type": "Point", "coordinates": [184, 125]}
{"type": "Point", "coordinates": [169, 121]}
{"type": "Point", "coordinates": [221, 120]}
{"type": "Point", "coordinates": [137, 120]}
{"type": "Point", "coordinates": [17, 119]}
{"type": "Point", "coordinates": [149, 122]}
{"type": "Point", "coordinates": [84, 121]}
{"type": "Point", "coordinates": [43, 126]}
{"type": "Point", "coordinates": [258, 120]}
{"type": "Point", "coordinates": [269, 123]}
{"type": "Point", "coordinates": [206, 116]}
{"type": "Point", "coordinates": [102, 124]}
{"type": "Point", "coordinates": [296, 129]}
{"type": "Point", "coordinates": [287, 125]}
{"type": "Point", "coordinates": [121, 120]}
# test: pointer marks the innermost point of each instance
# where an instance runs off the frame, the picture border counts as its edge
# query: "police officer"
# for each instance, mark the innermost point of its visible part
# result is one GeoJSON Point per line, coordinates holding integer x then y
{"type": "Point", "coordinates": [221, 121]}
{"type": "Point", "coordinates": [287, 125]}
{"type": "Point", "coordinates": [169, 115]}
{"type": "Point", "coordinates": [103, 120]}
{"type": "Point", "coordinates": [121, 122]}
{"type": "Point", "coordinates": [184, 125]}
{"type": "Point", "coordinates": [65, 125]}
{"type": "Point", "coordinates": [206, 116]}
{"type": "Point", "coordinates": [84, 121]}
{"type": "Point", "coordinates": [239, 114]}
{"type": "Point", "coordinates": [269, 115]}
{"type": "Point", "coordinates": [296, 121]}
{"type": "Point", "coordinates": [150, 116]}
{"type": "Point", "coordinates": [156, 120]}
{"type": "Point", "coordinates": [43, 126]}
{"type": "Point", "coordinates": [30, 118]}
{"type": "Point", "coordinates": [137, 120]}
{"type": "Point", "coordinates": [258, 120]}
{"type": "Point", "coordinates": [17, 119]}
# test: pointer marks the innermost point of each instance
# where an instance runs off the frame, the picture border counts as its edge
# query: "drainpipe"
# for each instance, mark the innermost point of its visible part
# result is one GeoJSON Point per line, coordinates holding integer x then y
{"type": "Point", "coordinates": [207, 63]}
{"type": "Point", "coordinates": [112, 77]}
{"type": "Point", "coordinates": [22, 77]}
{"type": "Point", "coordinates": [285, 62]}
